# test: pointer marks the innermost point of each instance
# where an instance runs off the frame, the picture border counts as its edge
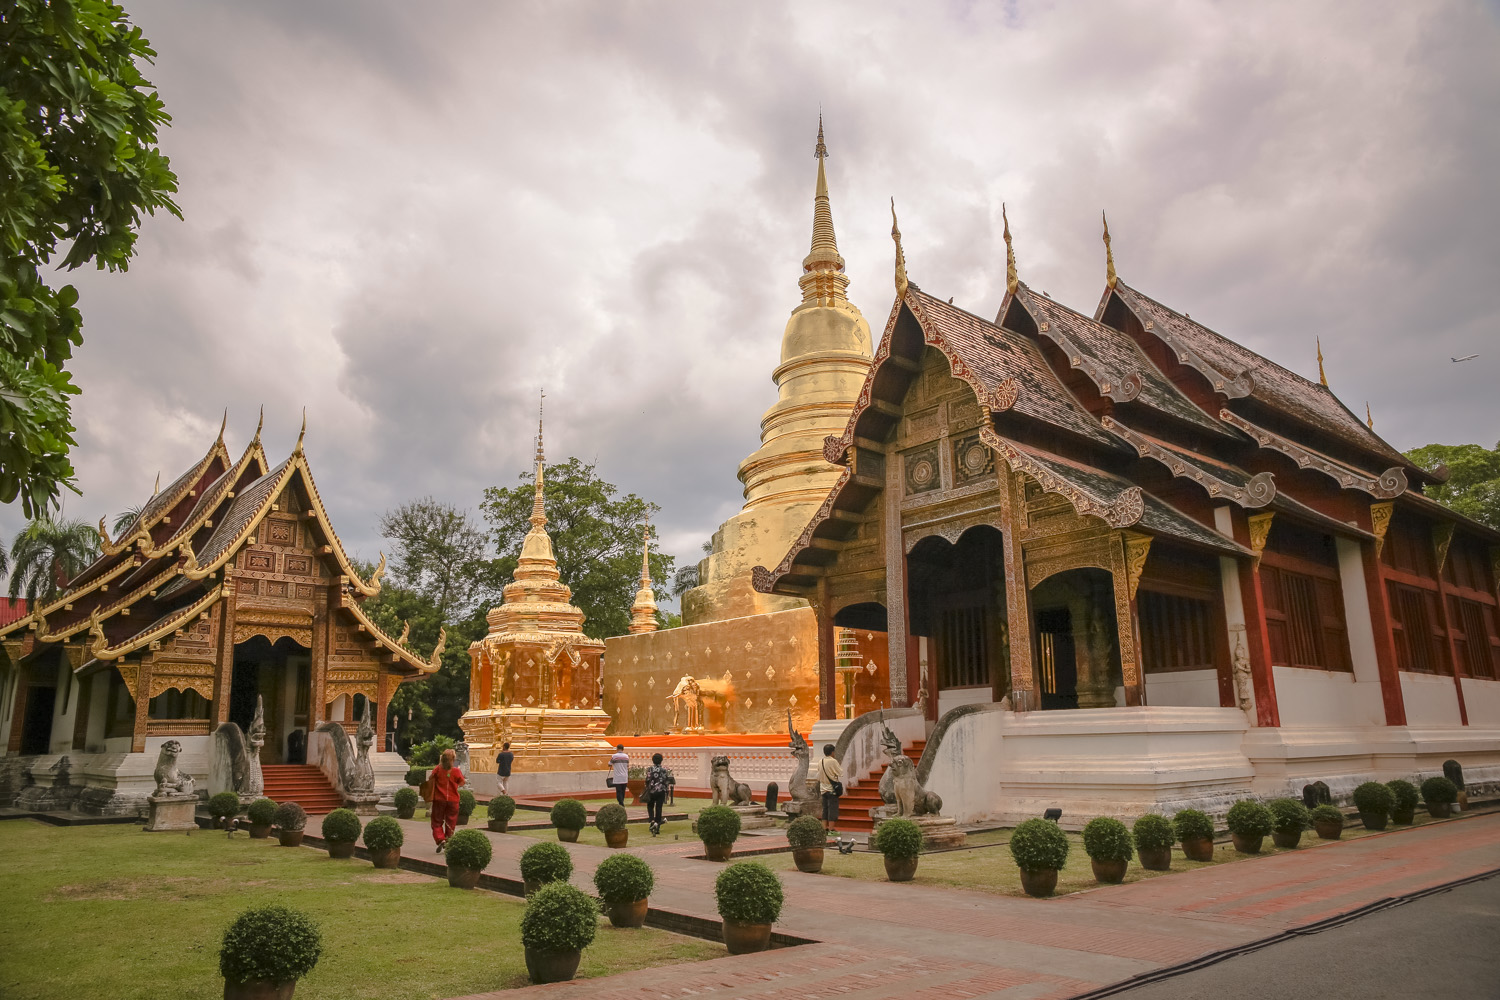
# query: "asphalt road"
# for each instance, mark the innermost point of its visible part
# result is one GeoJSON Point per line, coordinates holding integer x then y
{"type": "Point", "coordinates": [1444, 945]}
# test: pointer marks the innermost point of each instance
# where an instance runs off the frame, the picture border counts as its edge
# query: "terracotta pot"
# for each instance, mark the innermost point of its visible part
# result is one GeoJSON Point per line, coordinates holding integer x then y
{"type": "Point", "coordinates": [742, 939]}
{"type": "Point", "coordinates": [1039, 883]}
{"type": "Point", "coordinates": [1372, 821]}
{"type": "Point", "coordinates": [498, 825]}
{"type": "Point", "coordinates": [406, 813]}
{"type": "Point", "coordinates": [290, 838]}
{"type": "Point", "coordinates": [552, 966]}
{"type": "Point", "coordinates": [627, 914]}
{"type": "Point", "coordinates": [1246, 845]}
{"type": "Point", "coordinates": [340, 848]}
{"type": "Point", "coordinates": [463, 878]}
{"type": "Point", "coordinates": [260, 831]}
{"type": "Point", "coordinates": [388, 858]}
{"type": "Point", "coordinates": [1329, 829]}
{"type": "Point", "coordinates": [1403, 817]}
{"type": "Point", "coordinates": [258, 989]}
{"type": "Point", "coordinates": [463, 820]}
{"type": "Point", "coordinates": [636, 787]}
{"type": "Point", "coordinates": [1198, 849]}
{"type": "Point", "coordinates": [808, 859]}
{"type": "Point", "coordinates": [1286, 840]}
{"type": "Point", "coordinates": [717, 852]}
{"type": "Point", "coordinates": [567, 836]}
{"type": "Point", "coordinates": [617, 838]}
{"type": "Point", "coordinates": [901, 869]}
{"type": "Point", "coordinates": [1463, 799]}
{"type": "Point", "coordinates": [1158, 859]}
{"type": "Point", "coordinates": [1111, 872]}
{"type": "Point", "coordinates": [1439, 810]}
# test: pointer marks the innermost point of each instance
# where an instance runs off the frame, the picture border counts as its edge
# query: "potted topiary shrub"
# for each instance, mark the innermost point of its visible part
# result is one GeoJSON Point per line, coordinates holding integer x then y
{"type": "Point", "coordinates": [340, 830]}
{"type": "Point", "coordinates": [749, 897]}
{"type": "Point", "coordinates": [1374, 802]}
{"type": "Point", "coordinates": [1405, 808]}
{"type": "Point", "coordinates": [406, 800]}
{"type": "Point", "coordinates": [1328, 820]}
{"type": "Point", "coordinates": [1039, 848]}
{"type": "Point", "coordinates": [467, 803]}
{"type": "Point", "coordinates": [265, 951]}
{"type": "Point", "coordinates": [718, 827]}
{"type": "Point", "coordinates": [262, 815]}
{"type": "Point", "coordinates": [1439, 793]}
{"type": "Point", "coordinates": [1248, 823]}
{"type": "Point", "coordinates": [1289, 818]}
{"type": "Point", "coordinates": [900, 842]}
{"type": "Point", "coordinates": [290, 822]}
{"type": "Point", "coordinates": [543, 863]}
{"type": "Point", "coordinates": [468, 852]}
{"type": "Point", "coordinates": [415, 776]}
{"type": "Point", "coordinates": [1107, 842]}
{"type": "Point", "coordinates": [569, 816]}
{"type": "Point", "coordinates": [611, 820]}
{"type": "Point", "coordinates": [559, 923]}
{"type": "Point", "coordinates": [223, 807]}
{"type": "Point", "coordinates": [1195, 831]}
{"type": "Point", "coordinates": [808, 838]}
{"type": "Point", "coordinates": [637, 783]}
{"type": "Point", "coordinates": [624, 883]}
{"type": "Point", "coordinates": [1154, 837]}
{"type": "Point", "coordinates": [383, 839]}
{"type": "Point", "coordinates": [502, 808]}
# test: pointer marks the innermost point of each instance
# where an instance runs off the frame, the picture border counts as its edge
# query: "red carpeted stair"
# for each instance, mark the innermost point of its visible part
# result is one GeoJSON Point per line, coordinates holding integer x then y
{"type": "Point", "coordinates": [855, 806]}
{"type": "Point", "coordinates": [303, 784]}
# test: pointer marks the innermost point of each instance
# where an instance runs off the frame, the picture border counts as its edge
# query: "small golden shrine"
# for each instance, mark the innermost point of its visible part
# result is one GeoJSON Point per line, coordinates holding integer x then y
{"type": "Point", "coordinates": [534, 680]}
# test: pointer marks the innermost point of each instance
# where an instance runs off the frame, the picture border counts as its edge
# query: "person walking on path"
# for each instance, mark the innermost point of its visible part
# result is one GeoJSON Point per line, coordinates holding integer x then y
{"type": "Point", "coordinates": [443, 807]}
{"type": "Point", "coordinates": [829, 773]}
{"type": "Point", "coordinates": [619, 767]}
{"type": "Point", "coordinates": [503, 761]}
{"type": "Point", "coordinates": [658, 780]}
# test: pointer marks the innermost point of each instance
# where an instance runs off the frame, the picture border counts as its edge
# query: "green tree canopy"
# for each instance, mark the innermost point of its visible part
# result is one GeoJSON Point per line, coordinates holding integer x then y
{"type": "Point", "coordinates": [79, 164]}
{"type": "Point", "coordinates": [596, 536]}
{"type": "Point", "coordinates": [1473, 486]}
{"type": "Point", "coordinates": [439, 552]}
{"type": "Point", "coordinates": [48, 554]}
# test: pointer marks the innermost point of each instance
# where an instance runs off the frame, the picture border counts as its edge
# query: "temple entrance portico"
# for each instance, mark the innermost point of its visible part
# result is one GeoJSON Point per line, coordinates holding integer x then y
{"type": "Point", "coordinates": [280, 675]}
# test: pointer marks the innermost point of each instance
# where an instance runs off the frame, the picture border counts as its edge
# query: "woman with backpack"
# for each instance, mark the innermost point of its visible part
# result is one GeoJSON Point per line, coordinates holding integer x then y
{"type": "Point", "coordinates": [658, 781]}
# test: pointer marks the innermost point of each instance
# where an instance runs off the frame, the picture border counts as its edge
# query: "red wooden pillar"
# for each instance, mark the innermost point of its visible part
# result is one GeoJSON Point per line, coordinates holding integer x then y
{"type": "Point", "coordinates": [18, 709]}
{"type": "Point", "coordinates": [1440, 544]}
{"type": "Point", "coordinates": [1253, 532]}
{"type": "Point", "coordinates": [1378, 518]}
{"type": "Point", "coordinates": [827, 668]}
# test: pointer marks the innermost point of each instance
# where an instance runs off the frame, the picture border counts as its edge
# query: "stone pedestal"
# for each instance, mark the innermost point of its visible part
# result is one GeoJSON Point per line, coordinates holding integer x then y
{"type": "Point", "coordinates": [363, 803]}
{"type": "Point", "coordinates": [172, 812]}
{"type": "Point", "coordinates": [937, 831]}
{"type": "Point", "coordinates": [753, 817]}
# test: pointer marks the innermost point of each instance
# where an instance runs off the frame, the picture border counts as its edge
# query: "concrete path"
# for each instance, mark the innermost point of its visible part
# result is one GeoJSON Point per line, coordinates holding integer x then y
{"type": "Point", "coordinates": [879, 939]}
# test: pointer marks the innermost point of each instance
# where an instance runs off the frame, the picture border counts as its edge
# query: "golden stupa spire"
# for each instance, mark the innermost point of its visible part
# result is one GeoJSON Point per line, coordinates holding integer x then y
{"type": "Point", "coordinates": [1110, 278]}
{"type": "Point", "coordinates": [643, 611]}
{"type": "Point", "coordinates": [823, 277]}
{"type": "Point", "coordinates": [538, 508]}
{"type": "Point", "coordinates": [901, 283]}
{"type": "Point", "coordinates": [1011, 280]}
{"type": "Point", "coordinates": [1322, 375]}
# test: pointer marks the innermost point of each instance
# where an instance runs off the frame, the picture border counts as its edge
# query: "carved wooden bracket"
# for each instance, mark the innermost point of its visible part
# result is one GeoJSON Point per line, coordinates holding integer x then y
{"type": "Point", "coordinates": [1380, 523]}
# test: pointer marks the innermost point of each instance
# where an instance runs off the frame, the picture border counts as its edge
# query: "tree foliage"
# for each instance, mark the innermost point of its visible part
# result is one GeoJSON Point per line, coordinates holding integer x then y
{"type": "Point", "coordinates": [79, 158]}
{"type": "Point", "coordinates": [439, 553]}
{"type": "Point", "coordinates": [48, 554]}
{"type": "Point", "coordinates": [596, 536]}
{"type": "Point", "coordinates": [1473, 486]}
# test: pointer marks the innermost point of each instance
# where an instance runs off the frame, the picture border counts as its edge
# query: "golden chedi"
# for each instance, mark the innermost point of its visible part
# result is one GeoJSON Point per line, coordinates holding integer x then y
{"type": "Point", "coordinates": [825, 355]}
{"type": "Point", "coordinates": [534, 678]}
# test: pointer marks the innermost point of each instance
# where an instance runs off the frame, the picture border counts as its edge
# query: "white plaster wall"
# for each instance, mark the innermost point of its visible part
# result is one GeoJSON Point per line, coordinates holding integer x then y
{"type": "Point", "coordinates": [951, 698]}
{"type": "Point", "coordinates": [7, 705]}
{"type": "Point", "coordinates": [1482, 700]}
{"type": "Point", "coordinates": [1191, 688]}
{"type": "Point", "coordinates": [93, 740]}
{"type": "Point", "coordinates": [964, 771]}
{"type": "Point", "coordinates": [68, 688]}
{"type": "Point", "coordinates": [1327, 698]}
{"type": "Point", "coordinates": [1431, 700]}
{"type": "Point", "coordinates": [866, 752]}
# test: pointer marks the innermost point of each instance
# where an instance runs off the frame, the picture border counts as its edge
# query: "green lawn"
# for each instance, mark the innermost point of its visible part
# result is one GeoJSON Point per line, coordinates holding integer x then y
{"type": "Point", "coordinates": [145, 913]}
{"type": "Point", "coordinates": [991, 869]}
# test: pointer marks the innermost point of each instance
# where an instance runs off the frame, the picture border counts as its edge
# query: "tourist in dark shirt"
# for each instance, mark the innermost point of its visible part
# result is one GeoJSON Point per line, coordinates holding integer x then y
{"type": "Point", "coordinates": [503, 761]}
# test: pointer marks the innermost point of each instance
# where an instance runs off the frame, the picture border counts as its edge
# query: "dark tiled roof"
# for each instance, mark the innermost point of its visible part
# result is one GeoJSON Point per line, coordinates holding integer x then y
{"type": "Point", "coordinates": [1239, 372]}
{"type": "Point", "coordinates": [1218, 479]}
{"type": "Point", "coordinates": [1118, 367]}
{"type": "Point", "coordinates": [248, 505]}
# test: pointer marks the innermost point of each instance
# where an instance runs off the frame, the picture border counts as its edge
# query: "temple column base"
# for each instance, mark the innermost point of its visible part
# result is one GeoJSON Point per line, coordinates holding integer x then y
{"type": "Point", "coordinates": [753, 817]}
{"type": "Point", "coordinates": [172, 812]}
{"type": "Point", "coordinates": [938, 832]}
{"type": "Point", "coordinates": [363, 803]}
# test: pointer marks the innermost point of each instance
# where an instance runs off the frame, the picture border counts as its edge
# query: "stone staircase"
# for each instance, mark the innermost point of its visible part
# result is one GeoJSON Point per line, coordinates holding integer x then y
{"type": "Point", "coordinates": [303, 784]}
{"type": "Point", "coordinates": [855, 806]}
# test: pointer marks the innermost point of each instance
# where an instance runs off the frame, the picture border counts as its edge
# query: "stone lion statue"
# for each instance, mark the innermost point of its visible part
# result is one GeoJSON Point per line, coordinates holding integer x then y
{"type": "Point", "coordinates": [726, 790]}
{"type": "Point", "coordinates": [899, 786]}
{"type": "Point", "coordinates": [169, 780]}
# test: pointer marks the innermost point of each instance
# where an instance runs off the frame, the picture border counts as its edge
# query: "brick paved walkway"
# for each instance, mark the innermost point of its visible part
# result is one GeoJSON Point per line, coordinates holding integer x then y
{"type": "Point", "coordinates": [878, 939]}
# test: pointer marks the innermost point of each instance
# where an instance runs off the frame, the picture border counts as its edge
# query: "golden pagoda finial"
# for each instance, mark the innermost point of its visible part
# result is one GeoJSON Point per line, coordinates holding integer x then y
{"type": "Point", "coordinates": [646, 552]}
{"type": "Point", "coordinates": [1011, 280]}
{"type": "Point", "coordinates": [823, 277]}
{"type": "Point", "coordinates": [643, 611]}
{"type": "Point", "coordinates": [538, 509]}
{"type": "Point", "coordinates": [821, 149]}
{"type": "Point", "coordinates": [1322, 375]}
{"type": "Point", "coordinates": [901, 283]}
{"type": "Point", "coordinates": [301, 434]}
{"type": "Point", "coordinates": [1369, 419]}
{"type": "Point", "coordinates": [1110, 278]}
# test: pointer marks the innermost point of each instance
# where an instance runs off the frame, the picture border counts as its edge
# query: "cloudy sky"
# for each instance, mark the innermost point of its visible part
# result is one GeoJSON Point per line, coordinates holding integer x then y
{"type": "Point", "coordinates": [408, 217]}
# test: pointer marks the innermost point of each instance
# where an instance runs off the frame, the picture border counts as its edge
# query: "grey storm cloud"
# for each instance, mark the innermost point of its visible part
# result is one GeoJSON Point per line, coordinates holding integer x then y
{"type": "Point", "coordinates": [408, 218]}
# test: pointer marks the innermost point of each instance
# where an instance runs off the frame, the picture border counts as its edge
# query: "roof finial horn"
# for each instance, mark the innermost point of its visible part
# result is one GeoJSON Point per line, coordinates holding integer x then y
{"type": "Point", "coordinates": [1322, 375]}
{"type": "Point", "coordinates": [1369, 418]}
{"type": "Point", "coordinates": [301, 434]}
{"type": "Point", "coordinates": [901, 283]}
{"type": "Point", "coordinates": [259, 423]}
{"type": "Point", "coordinates": [1011, 280]}
{"type": "Point", "coordinates": [1110, 278]}
{"type": "Point", "coordinates": [223, 424]}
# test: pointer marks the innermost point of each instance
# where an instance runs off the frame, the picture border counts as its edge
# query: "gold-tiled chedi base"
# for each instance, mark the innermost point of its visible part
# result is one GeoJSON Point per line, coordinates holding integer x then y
{"type": "Point", "coordinates": [534, 679]}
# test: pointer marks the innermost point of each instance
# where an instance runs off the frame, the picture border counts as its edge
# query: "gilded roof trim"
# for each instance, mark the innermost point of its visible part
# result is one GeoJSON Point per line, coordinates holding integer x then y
{"type": "Point", "coordinates": [212, 499]}
{"type": "Point", "coordinates": [763, 579]}
{"type": "Point", "coordinates": [1119, 511]}
{"type": "Point", "coordinates": [100, 649]}
{"type": "Point", "coordinates": [1388, 484]}
{"type": "Point", "coordinates": [163, 502]}
{"type": "Point", "coordinates": [384, 638]}
{"type": "Point", "coordinates": [1244, 489]}
{"type": "Point", "coordinates": [37, 617]}
{"type": "Point", "coordinates": [835, 449]}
